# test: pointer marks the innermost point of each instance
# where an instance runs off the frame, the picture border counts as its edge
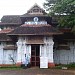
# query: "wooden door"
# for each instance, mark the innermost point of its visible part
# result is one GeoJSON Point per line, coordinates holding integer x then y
{"type": "Point", "coordinates": [35, 52]}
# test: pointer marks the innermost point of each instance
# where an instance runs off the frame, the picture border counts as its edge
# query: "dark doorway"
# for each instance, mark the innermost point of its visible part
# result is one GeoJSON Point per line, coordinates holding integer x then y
{"type": "Point", "coordinates": [35, 53]}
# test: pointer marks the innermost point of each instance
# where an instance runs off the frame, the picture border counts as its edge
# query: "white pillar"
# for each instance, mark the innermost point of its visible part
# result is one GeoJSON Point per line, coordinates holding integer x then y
{"type": "Point", "coordinates": [21, 50]}
{"type": "Point", "coordinates": [43, 55]}
{"type": "Point", "coordinates": [40, 50]}
{"type": "Point", "coordinates": [50, 57]}
{"type": "Point", "coordinates": [48, 46]}
{"type": "Point", "coordinates": [19, 57]}
{"type": "Point", "coordinates": [30, 52]}
{"type": "Point", "coordinates": [51, 53]}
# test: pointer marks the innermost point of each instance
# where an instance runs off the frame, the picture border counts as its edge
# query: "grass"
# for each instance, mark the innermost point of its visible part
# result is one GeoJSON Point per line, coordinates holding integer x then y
{"type": "Point", "coordinates": [13, 67]}
{"type": "Point", "coordinates": [10, 68]}
{"type": "Point", "coordinates": [71, 66]}
{"type": "Point", "coordinates": [68, 66]}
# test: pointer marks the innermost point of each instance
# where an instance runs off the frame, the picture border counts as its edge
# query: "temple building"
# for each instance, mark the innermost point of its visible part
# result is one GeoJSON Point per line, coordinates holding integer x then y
{"type": "Point", "coordinates": [33, 38]}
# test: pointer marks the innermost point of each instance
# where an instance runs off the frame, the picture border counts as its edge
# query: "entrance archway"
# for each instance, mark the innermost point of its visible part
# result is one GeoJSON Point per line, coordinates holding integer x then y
{"type": "Point", "coordinates": [35, 55]}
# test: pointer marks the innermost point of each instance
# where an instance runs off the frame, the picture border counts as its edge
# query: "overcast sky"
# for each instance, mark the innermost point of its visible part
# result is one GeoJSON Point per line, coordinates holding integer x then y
{"type": "Point", "coordinates": [17, 7]}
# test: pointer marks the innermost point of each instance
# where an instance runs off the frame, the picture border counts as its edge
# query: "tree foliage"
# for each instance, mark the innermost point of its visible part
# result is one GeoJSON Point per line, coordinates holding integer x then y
{"type": "Point", "coordinates": [48, 4]}
{"type": "Point", "coordinates": [61, 6]}
{"type": "Point", "coordinates": [65, 8]}
{"type": "Point", "coordinates": [66, 21]}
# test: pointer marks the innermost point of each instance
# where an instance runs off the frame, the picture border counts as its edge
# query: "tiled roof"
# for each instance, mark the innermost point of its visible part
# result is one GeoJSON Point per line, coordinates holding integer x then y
{"type": "Point", "coordinates": [3, 24]}
{"type": "Point", "coordinates": [11, 19]}
{"type": "Point", "coordinates": [33, 15]}
{"type": "Point", "coordinates": [36, 9]}
{"type": "Point", "coordinates": [35, 30]}
{"type": "Point", "coordinates": [4, 37]}
{"type": "Point", "coordinates": [10, 47]}
{"type": "Point", "coordinates": [6, 31]}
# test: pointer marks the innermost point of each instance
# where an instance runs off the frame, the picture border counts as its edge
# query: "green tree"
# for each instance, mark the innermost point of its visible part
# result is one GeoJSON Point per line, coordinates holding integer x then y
{"type": "Point", "coordinates": [61, 6]}
{"type": "Point", "coordinates": [49, 3]}
{"type": "Point", "coordinates": [65, 8]}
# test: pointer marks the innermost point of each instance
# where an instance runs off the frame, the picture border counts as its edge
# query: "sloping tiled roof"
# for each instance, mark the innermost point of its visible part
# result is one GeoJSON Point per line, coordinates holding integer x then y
{"type": "Point", "coordinates": [9, 24]}
{"type": "Point", "coordinates": [4, 37]}
{"type": "Point", "coordinates": [6, 31]}
{"type": "Point", "coordinates": [36, 6]}
{"type": "Point", "coordinates": [33, 15]}
{"type": "Point", "coordinates": [35, 10]}
{"type": "Point", "coordinates": [10, 47]}
{"type": "Point", "coordinates": [11, 19]}
{"type": "Point", "coordinates": [35, 30]}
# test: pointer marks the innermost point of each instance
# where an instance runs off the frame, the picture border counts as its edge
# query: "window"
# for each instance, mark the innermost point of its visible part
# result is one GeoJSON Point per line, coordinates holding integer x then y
{"type": "Point", "coordinates": [35, 10]}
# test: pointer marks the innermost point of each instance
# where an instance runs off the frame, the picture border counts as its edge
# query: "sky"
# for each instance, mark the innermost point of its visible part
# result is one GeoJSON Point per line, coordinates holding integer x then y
{"type": "Point", "coordinates": [17, 7]}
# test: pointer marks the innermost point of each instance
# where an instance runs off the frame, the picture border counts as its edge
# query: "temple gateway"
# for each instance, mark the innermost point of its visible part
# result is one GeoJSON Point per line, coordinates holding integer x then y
{"type": "Point", "coordinates": [34, 39]}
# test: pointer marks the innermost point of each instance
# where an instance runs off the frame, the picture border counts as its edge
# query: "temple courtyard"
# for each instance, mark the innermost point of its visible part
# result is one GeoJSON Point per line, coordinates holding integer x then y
{"type": "Point", "coordinates": [37, 71]}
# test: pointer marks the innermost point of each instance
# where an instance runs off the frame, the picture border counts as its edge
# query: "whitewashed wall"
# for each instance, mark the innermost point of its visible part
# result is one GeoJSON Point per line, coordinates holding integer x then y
{"type": "Point", "coordinates": [46, 52]}
{"type": "Point", "coordinates": [65, 56]}
{"type": "Point", "coordinates": [1, 53]}
{"type": "Point", "coordinates": [48, 47]}
{"type": "Point", "coordinates": [23, 49]}
{"type": "Point", "coordinates": [8, 55]}
{"type": "Point", "coordinates": [5, 55]}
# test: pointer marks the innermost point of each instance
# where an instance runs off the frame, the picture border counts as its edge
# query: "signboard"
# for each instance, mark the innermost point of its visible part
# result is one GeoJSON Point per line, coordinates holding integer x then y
{"type": "Point", "coordinates": [36, 22]}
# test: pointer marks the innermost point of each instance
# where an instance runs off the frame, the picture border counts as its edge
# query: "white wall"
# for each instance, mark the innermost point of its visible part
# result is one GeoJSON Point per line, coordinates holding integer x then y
{"type": "Point", "coordinates": [46, 52]}
{"type": "Point", "coordinates": [1, 52]}
{"type": "Point", "coordinates": [8, 55]}
{"type": "Point", "coordinates": [5, 55]}
{"type": "Point", "coordinates": [47, 49]}
{"type": "Point", "coordinates": [23, 49]}
{"type": "Point", "coordinates": [65, 56]}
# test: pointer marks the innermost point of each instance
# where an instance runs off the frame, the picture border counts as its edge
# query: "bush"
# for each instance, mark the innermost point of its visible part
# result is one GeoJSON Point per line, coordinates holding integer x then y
{"type": "Point", "coordinates": [71, 65]}
{"type": "Point", "coordinates": [68, 66]}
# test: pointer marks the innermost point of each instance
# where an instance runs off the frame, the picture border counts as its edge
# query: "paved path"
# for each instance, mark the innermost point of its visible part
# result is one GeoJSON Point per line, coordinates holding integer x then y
{"type": "Point", "coordinates": [37, 71]}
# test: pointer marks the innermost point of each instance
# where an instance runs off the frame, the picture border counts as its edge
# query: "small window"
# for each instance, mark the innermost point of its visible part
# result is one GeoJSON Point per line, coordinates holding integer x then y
{"type": "Point", "coordinates": [35, 10]}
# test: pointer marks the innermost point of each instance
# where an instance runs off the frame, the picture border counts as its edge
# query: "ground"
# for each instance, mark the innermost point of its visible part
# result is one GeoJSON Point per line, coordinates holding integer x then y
{"type": "Point", "coordinates": [37, 71]}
